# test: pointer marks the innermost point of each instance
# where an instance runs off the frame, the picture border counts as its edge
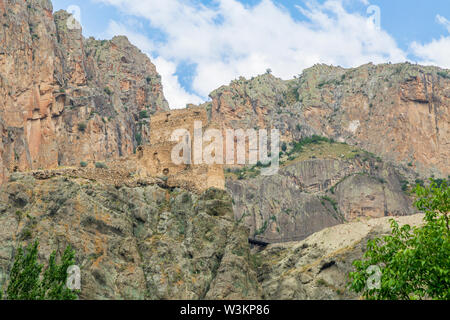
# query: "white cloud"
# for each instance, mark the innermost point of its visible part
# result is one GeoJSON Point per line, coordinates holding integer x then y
{"type": "Point", "coordinates": [249, 39]}
{"type": "Point", "coordinates": [435, 52]}
{"type": "Point", "coordinates": [442, 20]}
{"type": "Point", "coordinates": [174, 93]}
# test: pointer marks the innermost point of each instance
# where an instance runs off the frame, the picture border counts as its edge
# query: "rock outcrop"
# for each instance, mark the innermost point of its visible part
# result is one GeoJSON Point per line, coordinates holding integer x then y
{"type": "Point", "coordinates": [317, 268]}
{"type": "Point", "coordinates": [137, 242]}
{"type": "Point", "coordinates": [63, 98]}
{"type": "Point", "coordinates": [337, 184]}
{"type": "Point", "coordinates": [147, 241]}
{"type": "Point", "coordinates": [400, 112]}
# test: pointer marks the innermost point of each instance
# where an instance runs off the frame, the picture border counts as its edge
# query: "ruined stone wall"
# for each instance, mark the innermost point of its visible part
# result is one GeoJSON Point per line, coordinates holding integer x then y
{"type": "Point", "coordinates": [155, 159]}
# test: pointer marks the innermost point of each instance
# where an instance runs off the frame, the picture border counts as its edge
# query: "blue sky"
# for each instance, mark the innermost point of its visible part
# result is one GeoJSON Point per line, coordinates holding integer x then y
{"type": "Point", "coordinates": [199, 45]}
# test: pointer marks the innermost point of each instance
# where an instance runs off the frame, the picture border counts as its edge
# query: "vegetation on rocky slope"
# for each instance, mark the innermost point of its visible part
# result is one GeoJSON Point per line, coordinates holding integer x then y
{"type": "Point", "coordinates": [28, 282]}
{"type": "Point", "coordinates": [412, 262]}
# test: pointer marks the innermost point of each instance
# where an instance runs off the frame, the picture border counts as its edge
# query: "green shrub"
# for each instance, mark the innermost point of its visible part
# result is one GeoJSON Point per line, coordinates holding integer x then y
{"type": "Point", "coordinates": [444, 74]}
{"type": "Point", "coordinates": [101, 165]}
{"type": "Point", "coordinates": [420, 182]}
{"type": "Point", "coordinates": [82, 127]}
{"type": "Point", "coordinates": [405, 185]}
{"type": "Point", "coordinates": [83, 164]}
{"type": "Point", "coordinates": [414, 263]}
{"type": "Point", "coordinates": [143, 114]}
{"type": "Point", "coordinates": [139, 139]}
{"type": "Point", "coordinates": [27, 282]}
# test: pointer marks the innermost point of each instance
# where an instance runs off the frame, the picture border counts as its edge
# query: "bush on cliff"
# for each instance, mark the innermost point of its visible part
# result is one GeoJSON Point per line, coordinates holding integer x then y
{"type": "Point", "coordinates": [27, 282]}
{"type": "Point", "coordinates": [412, 263]}
{"type": "Point", "coordinates": [101, 165]}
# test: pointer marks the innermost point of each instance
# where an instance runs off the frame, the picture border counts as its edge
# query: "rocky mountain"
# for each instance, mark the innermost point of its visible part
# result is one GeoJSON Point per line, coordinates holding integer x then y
{"type": "Point", "coordinates": [308, 195]}
{"type": "Point", "coordinates": [387, 128]}
{"type": "Point", "coordinates": [399, 112]}
{"type": "Point", "coordinates": [146, 241]}
{"type": "Point", "coordinates": [66, 99]}
{"type": "Point", "coordinates": [85, 160]}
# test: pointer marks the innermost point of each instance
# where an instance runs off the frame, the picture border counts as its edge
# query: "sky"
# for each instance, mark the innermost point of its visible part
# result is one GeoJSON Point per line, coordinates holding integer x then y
{"type": "Point", "coordinates": [200, 45]}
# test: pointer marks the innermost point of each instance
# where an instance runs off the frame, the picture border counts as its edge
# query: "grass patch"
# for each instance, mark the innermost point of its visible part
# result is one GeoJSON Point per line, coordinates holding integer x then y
{"type": "Point", "coordinates": [315, 139]}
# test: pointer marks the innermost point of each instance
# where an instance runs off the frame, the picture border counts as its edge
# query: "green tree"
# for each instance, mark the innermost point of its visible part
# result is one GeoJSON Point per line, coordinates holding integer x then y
{"type": "Point", "coordinates": [24, 281]}
{"type": "Point", "coordinates": [143, 114]}
{"type": "Point", "coordinates": [28, 283]}
{"type": "Point", "coordinates": [53, 285]}
{"type": "Point", "coordinates": [414, 262]}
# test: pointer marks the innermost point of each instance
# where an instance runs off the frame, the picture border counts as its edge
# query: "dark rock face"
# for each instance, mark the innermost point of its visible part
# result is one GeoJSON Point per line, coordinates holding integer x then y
{"type": "Point", "coordinates": [308, 196]}
{"type": "Point", "coordinates": [131, 243]}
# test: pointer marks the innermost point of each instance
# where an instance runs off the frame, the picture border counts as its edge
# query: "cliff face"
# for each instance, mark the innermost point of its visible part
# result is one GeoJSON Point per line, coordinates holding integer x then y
{"type": "Point", "coordinates": [147, 228]}
{"type": "Point", "coordinates": [395, 117]}
{"type": "Point", "coordinates": [63, 98]}
{"type": "Point", "coordinates": [145, 241]}
{"type": "Point", "coordinates": [335, 184]}
{"type": "Point", "coordinates": [317, 268]}
{"type": "Point", "coordinates": [400, 112]}
{"type": "Point", "coordinates": [132, 242]}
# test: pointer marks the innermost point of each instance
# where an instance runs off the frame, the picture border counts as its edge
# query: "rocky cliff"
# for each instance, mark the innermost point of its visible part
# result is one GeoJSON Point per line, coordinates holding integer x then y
{"type": "Point", "coordinates": [387, 128]}
{"type": "Point", "coordinates": [144, 227]}
{"type": "Point", "coordinates": [63, 98]}
{"type": "Point", "coordinates": [132, 242]}
{"type": "Point", "coordinates": [146, 241]}
{"type": "Point", "coordinates": [329, 184]}
{"type": "Point", "coordinates": [400, 112]}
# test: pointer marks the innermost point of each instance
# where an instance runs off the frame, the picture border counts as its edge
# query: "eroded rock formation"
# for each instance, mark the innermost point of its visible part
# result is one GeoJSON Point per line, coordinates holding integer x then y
{"type": "Point", "coordinates": [64, 99]}
{"type": "Point", "coordinates": [400, 112]}
{"type": "Point", "coordinates": [138, 242]}
{"type": "Point", "coordinates": [144, 227]}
